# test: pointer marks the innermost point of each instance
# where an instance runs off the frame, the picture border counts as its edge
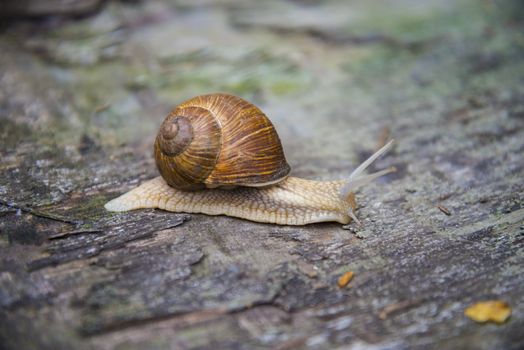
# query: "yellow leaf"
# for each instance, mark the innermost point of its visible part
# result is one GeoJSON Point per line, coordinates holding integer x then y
{"type": "Point", "coordinates": [492, 310]}
{"type": "Point", "coordinates": [344, 279]}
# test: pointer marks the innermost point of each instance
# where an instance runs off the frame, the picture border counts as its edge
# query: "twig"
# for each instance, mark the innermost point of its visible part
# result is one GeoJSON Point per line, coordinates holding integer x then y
{"type": "Point", "coordinates": [391, 308]}
{"type": "Point", "coordinates": [102, 107]}
{"type": "Point", "coordinates": [71, 233]}
{"type": "Point", "coordinates": [40, 213]}
{"type": "Point", "coordinates": [444, 209]}
{"type": "Point", "coordinates": [293, 343]}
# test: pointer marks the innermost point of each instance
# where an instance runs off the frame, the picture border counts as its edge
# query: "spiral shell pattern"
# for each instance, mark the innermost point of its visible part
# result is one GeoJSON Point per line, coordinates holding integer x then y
{"type": "Point", "coordinates": [219, 140]}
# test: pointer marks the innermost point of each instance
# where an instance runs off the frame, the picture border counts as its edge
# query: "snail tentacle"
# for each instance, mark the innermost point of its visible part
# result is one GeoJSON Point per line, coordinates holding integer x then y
{"type": "Point", "coordinates": [353, 216]}
{"type": "Point", "coordinates": [357, 180]}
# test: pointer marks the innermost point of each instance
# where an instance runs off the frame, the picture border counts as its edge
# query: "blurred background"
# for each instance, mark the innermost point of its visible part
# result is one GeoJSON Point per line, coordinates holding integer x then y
{"type": "Point", "coordinates": [84, 85]}
{"type": "Point", "coordinates": [97, 73]}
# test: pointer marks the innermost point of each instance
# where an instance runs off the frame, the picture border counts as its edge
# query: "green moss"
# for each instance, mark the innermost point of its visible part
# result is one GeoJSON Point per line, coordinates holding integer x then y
{"type": "Point", "coordinates": [469, 44]}
{"type": "Point", "coordinates": [90, 208]}
{"type": "Point", "coordinates": [421, 22]}
{"type": "Point", "coordinates": [12, 134]}
{"type": "Point", "coordinates": [285, 87]}
{"type": "Point", "coordinates": [4, 241]}
{"type": "Point", "coordinates": [247, 75]}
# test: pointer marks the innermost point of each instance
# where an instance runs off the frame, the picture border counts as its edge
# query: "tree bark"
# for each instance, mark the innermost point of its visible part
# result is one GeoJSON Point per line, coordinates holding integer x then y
{"type": "Point", "coordinates": [81, 99]}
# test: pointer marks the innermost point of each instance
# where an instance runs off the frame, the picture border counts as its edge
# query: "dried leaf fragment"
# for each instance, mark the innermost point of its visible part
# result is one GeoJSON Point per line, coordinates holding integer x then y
{"type": "Point", "coordinates": [492, 310]}
{"type": "Point", "coordinates": [345, 279]}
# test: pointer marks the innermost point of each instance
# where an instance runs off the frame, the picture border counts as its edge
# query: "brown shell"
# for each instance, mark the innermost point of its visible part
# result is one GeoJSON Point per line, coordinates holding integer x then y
{"type": "Point", "coordinates": [219, 140]}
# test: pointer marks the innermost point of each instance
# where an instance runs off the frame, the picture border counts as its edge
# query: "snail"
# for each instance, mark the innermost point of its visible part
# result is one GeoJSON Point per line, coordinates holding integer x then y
{"type": "Point", "coordinates": [220, 155]}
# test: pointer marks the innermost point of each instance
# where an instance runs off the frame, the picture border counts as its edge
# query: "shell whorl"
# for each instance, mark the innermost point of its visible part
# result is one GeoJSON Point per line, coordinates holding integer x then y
{"type": "Point", "coordinates": [193, 143]}
{"type": "Point", "coordinates": [219, 140]}
{"type": "Point", "coordinates": [175, 134]}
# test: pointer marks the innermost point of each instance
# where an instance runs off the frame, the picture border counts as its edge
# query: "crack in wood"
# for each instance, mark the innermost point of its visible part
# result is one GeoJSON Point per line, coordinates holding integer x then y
{"type": "Point", "coordinates": [40, 214]}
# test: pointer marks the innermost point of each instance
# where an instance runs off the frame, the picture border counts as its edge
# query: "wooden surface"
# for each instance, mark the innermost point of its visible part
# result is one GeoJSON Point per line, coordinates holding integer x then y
{"type": "Point", "coordinates": [81, 99]}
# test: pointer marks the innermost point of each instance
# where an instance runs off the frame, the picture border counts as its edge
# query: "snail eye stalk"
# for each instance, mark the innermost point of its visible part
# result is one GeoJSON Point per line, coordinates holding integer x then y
{"type": "Point", "coordinates": [356, 179]}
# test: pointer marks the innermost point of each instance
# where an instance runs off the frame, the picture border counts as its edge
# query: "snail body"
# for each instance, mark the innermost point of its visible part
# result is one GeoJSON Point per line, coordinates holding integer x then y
{"type": "Point", "coordinates": [317, 201]}
{"type": "Point", "coordinates": [236, 167]}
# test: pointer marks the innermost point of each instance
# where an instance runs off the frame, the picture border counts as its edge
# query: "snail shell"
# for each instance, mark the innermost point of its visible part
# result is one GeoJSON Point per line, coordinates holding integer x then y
{"type": "Point", "coordinates": [219, 140]}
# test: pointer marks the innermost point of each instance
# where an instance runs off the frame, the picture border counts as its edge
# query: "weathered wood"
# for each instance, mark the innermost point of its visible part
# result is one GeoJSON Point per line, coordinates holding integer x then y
{"type": "Point", "coordinates": [80, 100]}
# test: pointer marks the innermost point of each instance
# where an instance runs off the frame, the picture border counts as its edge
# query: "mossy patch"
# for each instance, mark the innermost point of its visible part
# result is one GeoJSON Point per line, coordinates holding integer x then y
{"type": "Point", "coordinates": [12, 134]}
{"type": "Point", "coordinates": [248, 74]}
{"type": "Point", "coordinates": [90, 208]}
{"type": "Point", "coordinates": [470, 46]}
{"type": "Point", "coordinates": [420, 23]}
